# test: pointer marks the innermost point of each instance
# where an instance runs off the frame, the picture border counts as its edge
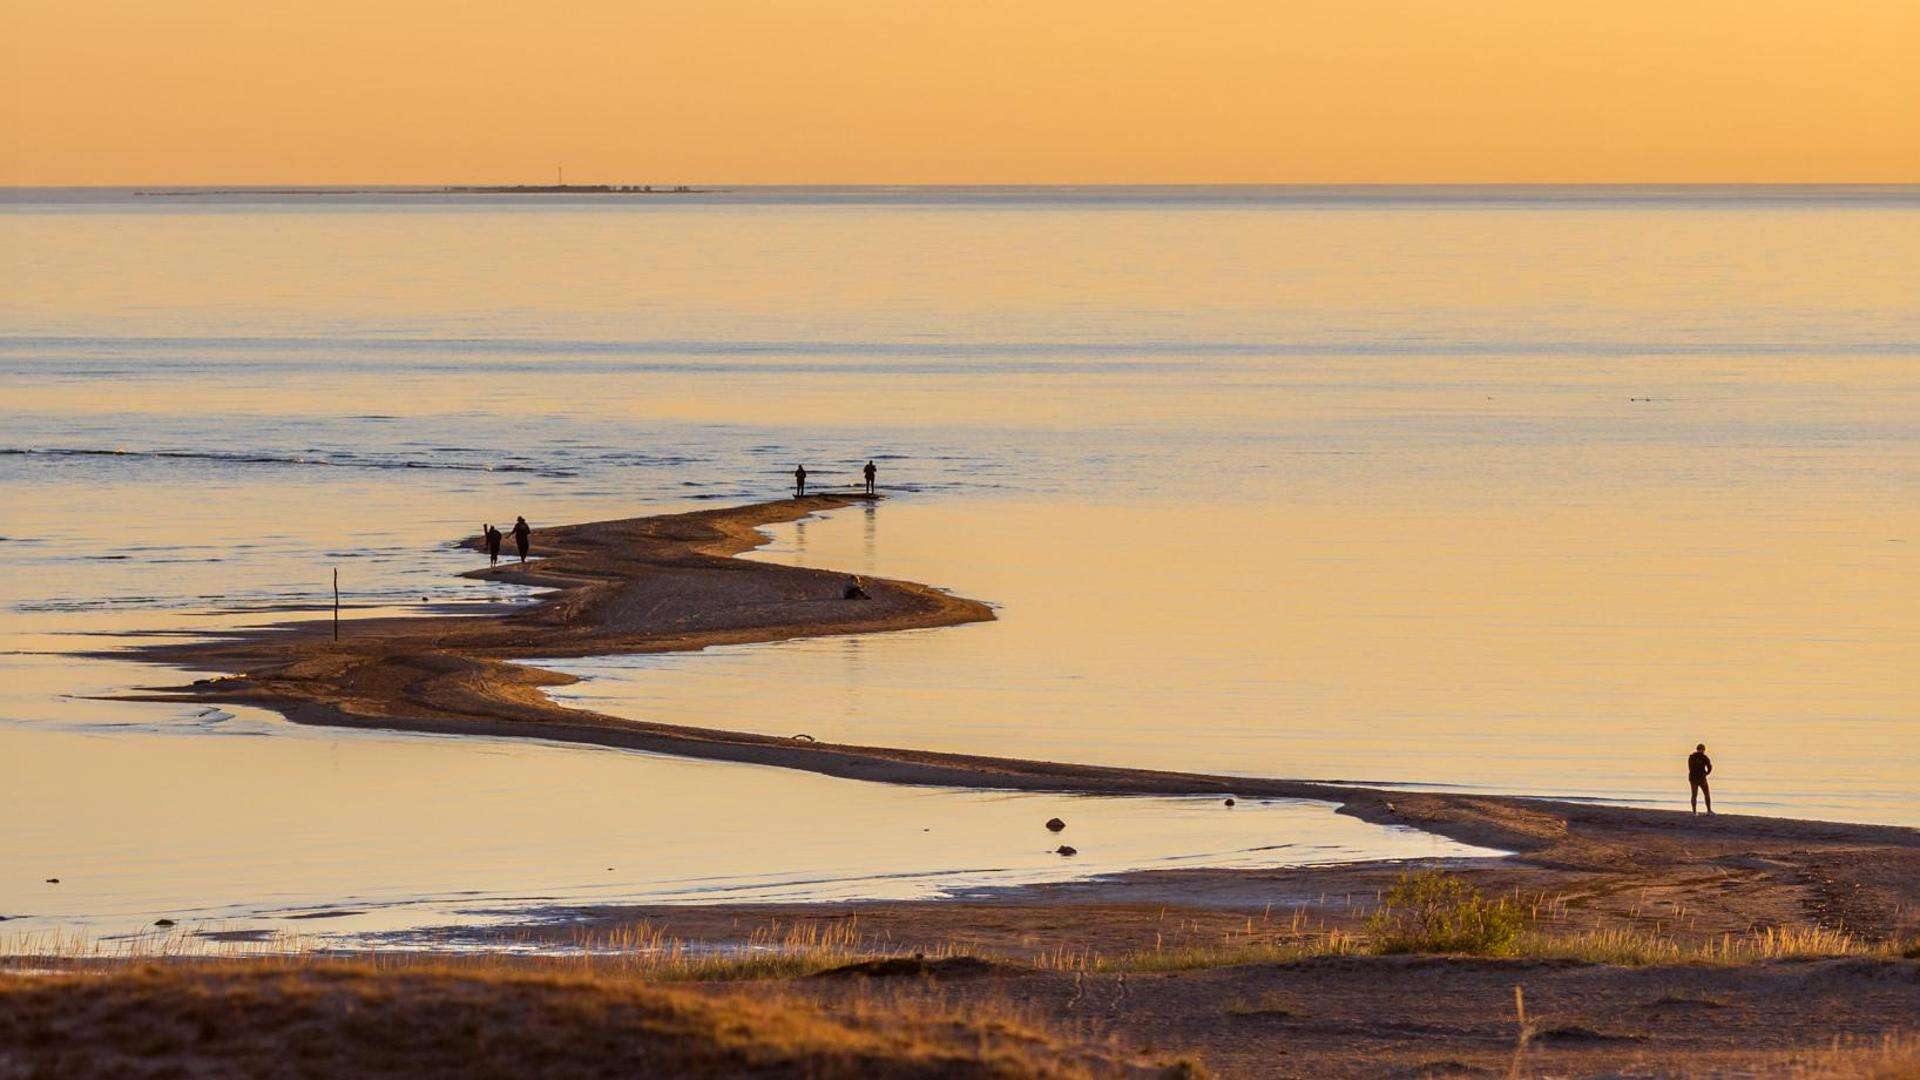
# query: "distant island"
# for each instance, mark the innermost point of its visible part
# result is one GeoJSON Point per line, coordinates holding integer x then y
{"type": "Point", "coordinates": [576, 189]}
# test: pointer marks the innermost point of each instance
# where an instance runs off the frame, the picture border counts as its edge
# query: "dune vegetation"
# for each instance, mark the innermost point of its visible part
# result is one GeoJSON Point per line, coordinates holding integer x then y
{"type": "Point", "coordinates": [265, 1018]}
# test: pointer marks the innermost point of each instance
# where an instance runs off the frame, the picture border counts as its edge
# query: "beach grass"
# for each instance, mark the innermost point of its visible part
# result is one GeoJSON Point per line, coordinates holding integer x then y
{"type": "Point", "coordinates": [306, 1016]}
{"type": "Point", "coordinates": [1426, 912]}
{"type": "Point", "coordinates": [1891, 1057]}
{"type": "Point", "coordinates": [643, 951]}
{"type": "Point", "coordinates": [705, 1009]}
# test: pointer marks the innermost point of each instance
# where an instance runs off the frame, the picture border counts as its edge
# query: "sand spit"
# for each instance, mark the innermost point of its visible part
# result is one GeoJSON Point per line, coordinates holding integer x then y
{"type": "Point", "coordinates": [673, 582]}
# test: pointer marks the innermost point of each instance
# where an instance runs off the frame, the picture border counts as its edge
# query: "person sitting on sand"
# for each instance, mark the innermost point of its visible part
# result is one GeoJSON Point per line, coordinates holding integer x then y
{"type": "Point", "coordinates": [1699, 765]}
{"type": "Point", "coordinates": [493, 538]}
{"type": "Point", "coordinates": [799, 481]}
{"type": "Point", "coordinates": [522, 535]}
{"type": "Point", "coordinates": [871, 472]}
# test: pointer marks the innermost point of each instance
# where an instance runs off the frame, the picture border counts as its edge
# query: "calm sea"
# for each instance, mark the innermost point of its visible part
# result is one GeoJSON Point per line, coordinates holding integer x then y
{"type": "Point", "coordinates": [1514, 489]}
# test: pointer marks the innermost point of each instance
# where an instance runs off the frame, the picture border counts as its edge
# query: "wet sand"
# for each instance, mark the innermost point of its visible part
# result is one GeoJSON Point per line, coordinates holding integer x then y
{"type": "Point", "coordinates": [672, 582]}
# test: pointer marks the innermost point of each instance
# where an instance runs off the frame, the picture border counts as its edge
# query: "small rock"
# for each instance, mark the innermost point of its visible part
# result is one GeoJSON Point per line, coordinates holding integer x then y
{"type": "Point", "coordinates": [1064, 849]}
{"type": "Point", "coordinates": [1055, 824]}
{"type": "Point", "coordinates": [163, 922]}
{"type": "Point", "coordinates": [1229, 802]}
{"type": "Point", "coordinates": [53, 881]}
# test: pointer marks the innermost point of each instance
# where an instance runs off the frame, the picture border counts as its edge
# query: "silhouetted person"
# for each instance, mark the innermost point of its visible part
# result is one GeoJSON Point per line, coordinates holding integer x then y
{"type": "Point", "coordinates": [493, 544]}
{"type": "Point", "coordinates": [521, 536]}
{"type": "Point", "coordinates": [871, 472]}
{"type": "Point", "coordinates": [799, 481]}
{"type": "Point", "coordinates": [1699, 767]}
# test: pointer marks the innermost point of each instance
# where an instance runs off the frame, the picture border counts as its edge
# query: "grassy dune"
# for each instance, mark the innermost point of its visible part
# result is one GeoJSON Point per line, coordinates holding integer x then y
{"type": "Point", "coordinates": [1431, 982]}
{"type": "Point", "coordinates": [326, 1018]}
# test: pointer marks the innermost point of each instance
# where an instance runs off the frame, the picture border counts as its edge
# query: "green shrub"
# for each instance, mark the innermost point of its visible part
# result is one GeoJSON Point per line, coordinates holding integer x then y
{"type": "Point", "coordinates": [1429, 911]}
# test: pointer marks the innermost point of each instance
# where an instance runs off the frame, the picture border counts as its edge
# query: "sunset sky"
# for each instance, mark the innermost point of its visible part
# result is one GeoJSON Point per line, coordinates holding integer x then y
{"type": "Point", "coordinates": [984, 91]}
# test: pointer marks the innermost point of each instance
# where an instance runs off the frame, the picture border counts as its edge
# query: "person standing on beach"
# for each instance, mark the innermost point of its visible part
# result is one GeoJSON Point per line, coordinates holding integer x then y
{"type": "Point", "coordinates": [799, 481]}
{"type": "Point", "coordinates": [493, 543]}
{"type": "Point", "coordinates": [1699, 766]}
{"type": "Point", "coordinates": [522, 536]}
{"type": "Point", "coordinates": [871, 472]}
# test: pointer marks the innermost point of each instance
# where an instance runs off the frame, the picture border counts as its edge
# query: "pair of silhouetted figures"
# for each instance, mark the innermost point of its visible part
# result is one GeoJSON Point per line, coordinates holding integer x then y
{"type": "Point", "coordinates": [800, 479]}
{"type": "Point", "coordinates": [522, 538]}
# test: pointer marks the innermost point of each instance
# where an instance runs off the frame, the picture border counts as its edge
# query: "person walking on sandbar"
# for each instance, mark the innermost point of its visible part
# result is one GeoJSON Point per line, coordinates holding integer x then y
{"type": "Point", "coordinates": [799, 481]}
{"type": "Point", "coordinates": [871, 472]}
{"type": "Point", "coordinates": [522, 536]}
{"type": "Point", "coordinates": [1699, 767]}
{"type": "Point", "coordinates": [493, 544]}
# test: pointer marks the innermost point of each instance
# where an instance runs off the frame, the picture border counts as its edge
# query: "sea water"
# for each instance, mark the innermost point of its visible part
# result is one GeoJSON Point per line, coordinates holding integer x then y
{"type": "Point", "coordinates": [1507, 489]}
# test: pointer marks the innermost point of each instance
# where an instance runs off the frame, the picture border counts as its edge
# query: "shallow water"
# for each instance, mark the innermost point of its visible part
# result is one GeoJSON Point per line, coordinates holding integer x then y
{"type": "Point", "coordinates": [236, 823]}
{"type": "Point", "coordinates": [1475, 651]}
{"type": "Point", "coordinates": [1508, 489]}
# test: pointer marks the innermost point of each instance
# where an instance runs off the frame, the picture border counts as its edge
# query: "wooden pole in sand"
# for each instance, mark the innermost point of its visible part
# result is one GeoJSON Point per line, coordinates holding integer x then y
{"type": "Point", "coordinates": [336, 604]}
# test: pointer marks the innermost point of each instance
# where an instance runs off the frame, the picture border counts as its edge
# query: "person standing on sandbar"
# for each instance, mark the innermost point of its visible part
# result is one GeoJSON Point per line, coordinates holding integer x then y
{"type": "Point", "coordinates": [1699, 767]}
{"type": "Point", "coordinates": [799, 481]}
{"type": "Point", "coordinates": [493, 544]}
{"type": "Point", "coordinates": [871, 472]}
{"type": "Point", "coordinates": [522, 536]}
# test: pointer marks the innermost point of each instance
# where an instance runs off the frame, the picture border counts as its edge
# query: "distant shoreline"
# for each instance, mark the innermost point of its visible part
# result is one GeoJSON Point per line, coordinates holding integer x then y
{"type": "Point", "coordinates": [480, 189]}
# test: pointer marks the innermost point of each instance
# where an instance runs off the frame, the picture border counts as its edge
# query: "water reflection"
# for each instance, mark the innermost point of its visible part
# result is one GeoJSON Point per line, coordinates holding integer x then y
{"type": "Point", "coordinates": [1574, 652]}
{"type": "Point", "coordinates": [1522, 492]}
{"type": "Point", "coordinates": [321, 832]}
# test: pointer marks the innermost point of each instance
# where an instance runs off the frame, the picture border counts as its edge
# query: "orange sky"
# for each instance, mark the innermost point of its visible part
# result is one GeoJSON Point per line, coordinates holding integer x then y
{"type": "Point", "coordinates": [958, 91]}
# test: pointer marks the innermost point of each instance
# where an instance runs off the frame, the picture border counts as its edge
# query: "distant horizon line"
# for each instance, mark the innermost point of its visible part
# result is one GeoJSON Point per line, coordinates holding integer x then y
{"type": "Point", "coordinates": [470, 184]}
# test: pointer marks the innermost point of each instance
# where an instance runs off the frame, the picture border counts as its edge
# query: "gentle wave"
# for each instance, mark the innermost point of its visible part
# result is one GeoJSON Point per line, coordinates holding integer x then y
{"type": "Point", "coordinates": [285, 601]}
{"type": "Point", "coordinates": [243, 458]}
{"type": "Point", "coordinates": [1115, 350]}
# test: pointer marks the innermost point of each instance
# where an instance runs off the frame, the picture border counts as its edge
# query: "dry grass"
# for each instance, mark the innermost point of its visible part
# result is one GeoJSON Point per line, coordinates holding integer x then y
{"type": "Point", "coordinates": [776, 951]}
{"type": "Point", "coordinates": [1434, 913]}
{"type": "Point", "coordinates": [173, 943]}
{"type": "Point", "coordinates": [1894, 1057]}
{"type": "Point", "coordinates": [1230, 952]}
{"type": "Point", "coordinates": [617, 1000]}
{"type": "Point", "coordinates": [639, 949]}
{"type": "Point", "coordinates": [311, 1017]}
{"type": "Point", "coordinates": [1425, 913]}
{"type": "Point", "coordinates": [1637, 948]}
